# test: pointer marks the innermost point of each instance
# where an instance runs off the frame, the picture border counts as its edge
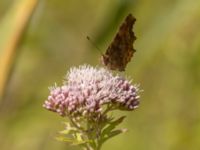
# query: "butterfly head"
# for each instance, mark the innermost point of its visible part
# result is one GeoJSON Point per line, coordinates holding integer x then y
{"type": "Point", "coordinates": [104, 59]}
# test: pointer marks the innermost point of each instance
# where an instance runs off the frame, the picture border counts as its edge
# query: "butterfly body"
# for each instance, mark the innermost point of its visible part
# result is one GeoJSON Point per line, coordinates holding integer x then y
{"type": "Point", "coordinates": [121, 50]}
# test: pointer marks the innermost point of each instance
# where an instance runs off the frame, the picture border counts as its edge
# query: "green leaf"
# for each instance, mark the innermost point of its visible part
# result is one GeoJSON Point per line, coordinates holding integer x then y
{"type": "Point", "coordinates": [64, 139]}
{"type": "Point", "coordinates": [69, 129]}
{"type": "Point", "coordinates": [72, 135]}
{"type": "Point", "coordinates": [75, 139]}
{"type": "Point", "coordinates": [113, 125]}
{"type": "Point", "coordinates": [112, 134]}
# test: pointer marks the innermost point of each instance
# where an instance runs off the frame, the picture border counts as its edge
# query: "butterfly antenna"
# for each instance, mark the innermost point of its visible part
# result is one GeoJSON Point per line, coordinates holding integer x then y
{"type": "Point", "coordinates": [93, 43]}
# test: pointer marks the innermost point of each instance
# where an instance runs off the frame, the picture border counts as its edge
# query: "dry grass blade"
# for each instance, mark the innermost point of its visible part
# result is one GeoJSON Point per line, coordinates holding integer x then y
{"type": "Point", "coordinates": [11, 30]}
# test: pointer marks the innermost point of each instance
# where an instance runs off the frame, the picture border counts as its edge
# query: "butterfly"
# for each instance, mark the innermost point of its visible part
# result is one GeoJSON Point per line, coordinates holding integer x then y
{"type": "Point", "coordinates": [121, 50]}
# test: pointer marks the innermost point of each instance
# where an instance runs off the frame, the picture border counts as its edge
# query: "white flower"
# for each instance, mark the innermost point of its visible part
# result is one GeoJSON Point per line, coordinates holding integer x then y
{"type": "Point", "coordinates": [87, 89]}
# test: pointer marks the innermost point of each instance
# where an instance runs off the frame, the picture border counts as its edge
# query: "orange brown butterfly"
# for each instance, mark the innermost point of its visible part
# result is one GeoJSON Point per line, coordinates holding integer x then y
{"type": "Point", "coordinates": [121, 50]}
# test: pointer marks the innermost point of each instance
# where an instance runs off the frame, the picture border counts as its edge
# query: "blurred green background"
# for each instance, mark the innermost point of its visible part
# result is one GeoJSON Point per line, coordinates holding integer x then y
{"type": "Point", "coordinates": [166, 64]}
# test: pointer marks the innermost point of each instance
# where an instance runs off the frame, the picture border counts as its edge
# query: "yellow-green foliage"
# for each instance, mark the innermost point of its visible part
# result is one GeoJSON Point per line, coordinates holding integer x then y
{"type": "Point", "coordinates": [166, 64]}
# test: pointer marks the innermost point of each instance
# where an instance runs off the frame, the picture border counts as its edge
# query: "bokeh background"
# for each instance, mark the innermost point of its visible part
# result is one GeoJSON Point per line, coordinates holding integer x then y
{"type": "Point", "coordinates": [42, 39]}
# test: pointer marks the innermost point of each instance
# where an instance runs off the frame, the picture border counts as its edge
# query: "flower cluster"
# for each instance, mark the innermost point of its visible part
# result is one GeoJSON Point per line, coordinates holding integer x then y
{"type": "Point", "coordinates": [86, 90]}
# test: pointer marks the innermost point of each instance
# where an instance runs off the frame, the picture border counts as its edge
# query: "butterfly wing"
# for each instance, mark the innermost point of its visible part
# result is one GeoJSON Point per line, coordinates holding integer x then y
{"type": "Point", "coordinates": [121, 50]}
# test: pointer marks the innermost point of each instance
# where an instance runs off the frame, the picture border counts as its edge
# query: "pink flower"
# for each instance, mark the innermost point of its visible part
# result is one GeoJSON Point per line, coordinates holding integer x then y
{"type": "Point", "coordinates": [88, 91]}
